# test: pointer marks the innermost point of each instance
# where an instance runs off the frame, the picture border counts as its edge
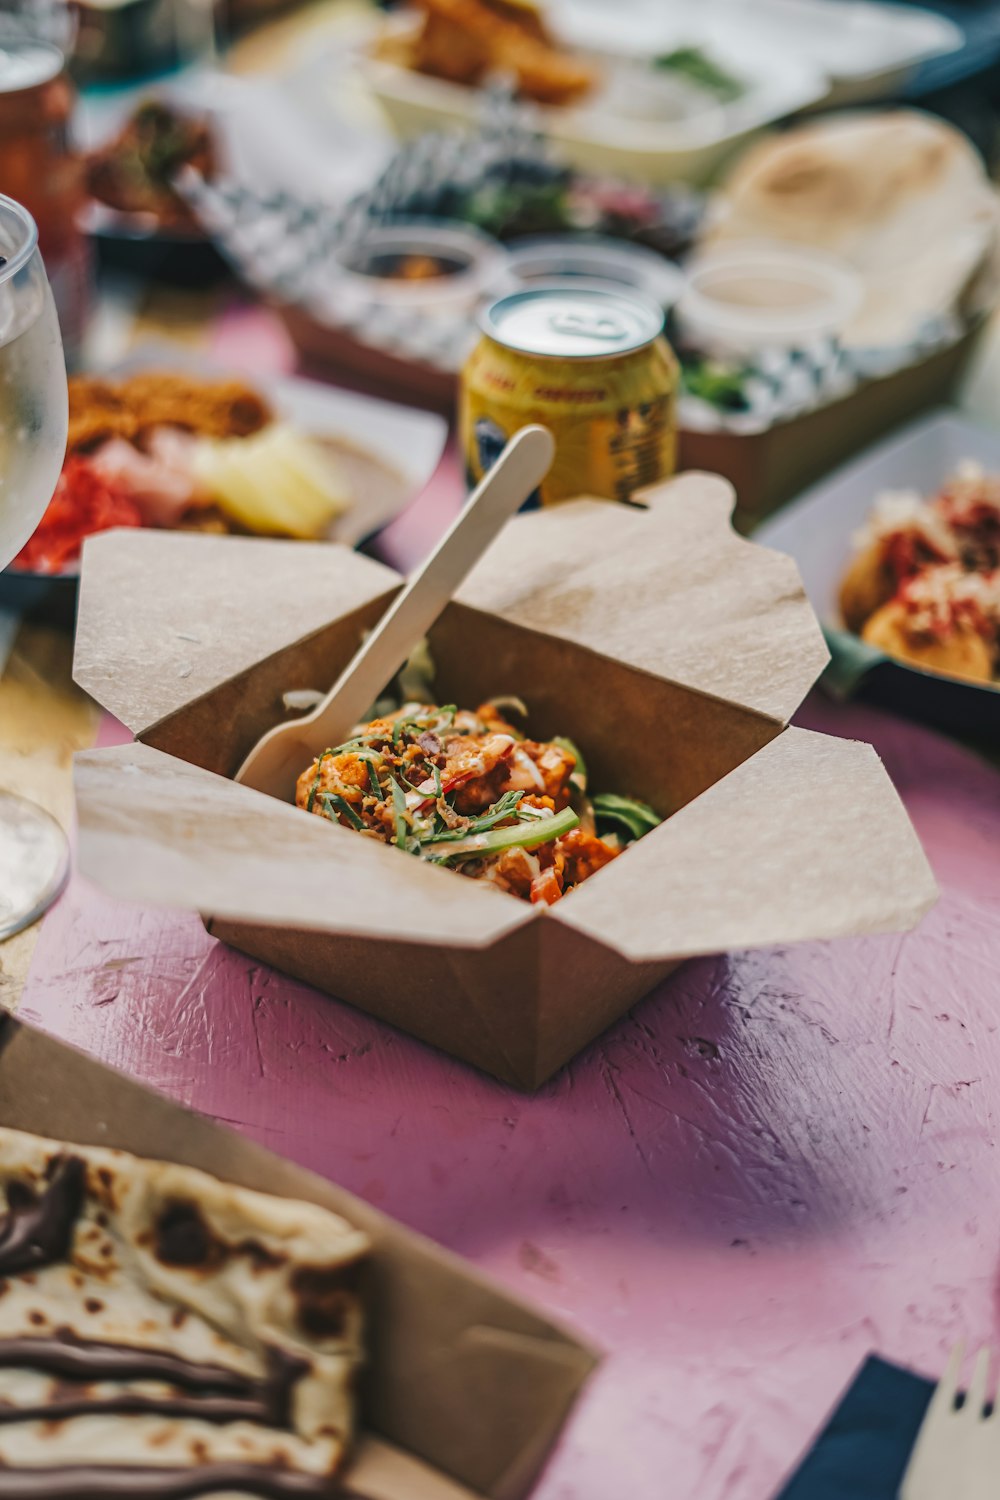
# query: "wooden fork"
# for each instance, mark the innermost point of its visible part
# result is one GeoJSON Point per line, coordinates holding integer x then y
{"type": "Point", "coordinates": [284, 751]}
{"type": "Point", "coordinates": [957, 1452]}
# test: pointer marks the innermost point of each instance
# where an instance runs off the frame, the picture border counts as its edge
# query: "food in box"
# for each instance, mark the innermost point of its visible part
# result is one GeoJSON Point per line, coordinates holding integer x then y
{"type": "Point", "coordinates": [168, 1331]}
{"type": "Point", "coordinates": [462, 1391]}
{"type": "Point", "coordinates": [669, 650]}
{"type": "Point", "coordinates": [470, 791]}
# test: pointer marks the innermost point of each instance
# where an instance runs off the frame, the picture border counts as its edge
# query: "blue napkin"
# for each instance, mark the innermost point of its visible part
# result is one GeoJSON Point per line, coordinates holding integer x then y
{"type": "Point", "coordinates": [863, 1450]}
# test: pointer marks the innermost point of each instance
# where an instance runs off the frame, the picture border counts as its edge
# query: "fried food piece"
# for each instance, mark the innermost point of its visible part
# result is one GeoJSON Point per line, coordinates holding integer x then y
{"type": "Point", "coordinates": [213, 408]}
{"type": "Point", "coordinates": [134, 172]}
{"type": "Point", "coordinates": [903, 535]}
{"type": "Point", "coordinates": [443, 50]}
{"type": "Point", "coordinates": [460, 788]}
{"type": "Point", "coordinates": [868, 583]}
{"type": "Point", "coordinates": [96, 411]}
{"type": "Point", "coordinates": [129, 408]}
{"type": "Point", "coordinates": [962, 652]}
{"type": "Point", "coordinates": [464, 40]}
{"type": "Point", "coordinates": [585, 853]}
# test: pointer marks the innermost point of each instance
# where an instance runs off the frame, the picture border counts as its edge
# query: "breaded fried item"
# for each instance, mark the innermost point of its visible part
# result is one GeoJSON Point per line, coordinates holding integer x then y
{"type": "Point", "coordinates": [100, 409]}
{"type": "Point", "coordinates": [464, 40]}
{"type": "Point", "coordinates": [215, 408]}
{"type": "Point", "coordinates": [868, 584]}
{"type": "Point", "coordinates": [962, 652]}
{"type": "Point", "coordinates": [134, 172]}
{"type": "Point", "coordinates": [465, 790]}
{"type": "Point", "coordinates": [444, 50]}
{"type": "Point", "coordinates": [96, 412]}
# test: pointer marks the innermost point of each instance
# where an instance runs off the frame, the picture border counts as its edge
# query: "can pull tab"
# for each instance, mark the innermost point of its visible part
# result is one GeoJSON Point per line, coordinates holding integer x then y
{"type": "Point", "coordinates": [578, 325]}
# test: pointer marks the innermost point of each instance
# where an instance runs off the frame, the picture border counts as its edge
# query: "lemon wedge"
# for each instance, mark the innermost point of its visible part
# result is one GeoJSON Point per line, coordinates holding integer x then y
{"type": "Point", "coordinates": [276, 482]}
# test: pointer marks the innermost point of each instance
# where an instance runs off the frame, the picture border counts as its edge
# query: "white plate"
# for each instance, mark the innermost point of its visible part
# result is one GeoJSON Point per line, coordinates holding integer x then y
{"type": "Point", "coordinates": [598, 141]}
{"type": "Point", "coordinates": [865, 47]}
{"type": "Point", "coordinates": [387, 451]}
{"type": "Point", "coordinates": [853, 41]}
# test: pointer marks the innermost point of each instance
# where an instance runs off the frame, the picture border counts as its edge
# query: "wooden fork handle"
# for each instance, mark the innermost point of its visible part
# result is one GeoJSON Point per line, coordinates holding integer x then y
{"type": "Point", "coordinates": [518, 471]}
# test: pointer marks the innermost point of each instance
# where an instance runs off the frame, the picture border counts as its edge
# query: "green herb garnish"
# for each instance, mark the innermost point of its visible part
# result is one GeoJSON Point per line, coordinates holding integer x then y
{"type": "Point", "coordinates": [332, 800]}
{"type": "Point", "coordinates": [520, 836]}
{"type": "Point", "coordinates": [701, 70]}
{"type": "Point", "coordinates": [636, 818]}
{"type": "Point", "coordinates": [372, 761]}
{"type": "Point", "coordinates": [504, 808]}
{"type": "Point", "coordinates": [358, 743]}
{"type": "Point", "coordinates": [719, 385]}
{"type": "Point", "coordinates": [400, 812]}
{"type": "Point", "coordinates": [315, 786]}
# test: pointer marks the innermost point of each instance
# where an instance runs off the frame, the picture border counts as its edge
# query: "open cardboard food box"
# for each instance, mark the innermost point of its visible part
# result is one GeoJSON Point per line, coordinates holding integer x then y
{"type": "Point", "coordinates": [465, 1389]}
{"type": "Point", "coordinates": [669, 649]}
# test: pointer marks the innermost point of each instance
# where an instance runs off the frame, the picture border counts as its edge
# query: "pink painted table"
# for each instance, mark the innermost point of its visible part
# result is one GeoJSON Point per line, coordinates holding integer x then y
{"type": "Point", "coordinates": [778, 1162]}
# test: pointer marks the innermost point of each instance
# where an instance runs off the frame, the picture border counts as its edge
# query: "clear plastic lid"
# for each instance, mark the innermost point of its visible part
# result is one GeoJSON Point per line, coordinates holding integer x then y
{"type": "Point", "coordinates": [588, 258]}
{"type": "Point", "coordinates": [762, 295]}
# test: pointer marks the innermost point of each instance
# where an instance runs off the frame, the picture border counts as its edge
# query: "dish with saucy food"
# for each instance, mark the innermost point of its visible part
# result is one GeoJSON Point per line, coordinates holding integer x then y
{"type": "Point", "coordinates": [472, 792]}
{"type": "Point", "coordinates": [924, 583]}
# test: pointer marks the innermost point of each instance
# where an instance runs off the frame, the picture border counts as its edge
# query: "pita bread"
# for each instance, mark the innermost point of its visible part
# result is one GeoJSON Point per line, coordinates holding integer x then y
{"type": "Point", "coordinates": [164, 1333]}
{"type": "Point", "coordinates": [900, 196]}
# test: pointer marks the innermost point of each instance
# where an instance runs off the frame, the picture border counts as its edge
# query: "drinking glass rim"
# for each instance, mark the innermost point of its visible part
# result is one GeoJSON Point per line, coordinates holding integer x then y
{"type": "Point", "coordinates": [23, 254]}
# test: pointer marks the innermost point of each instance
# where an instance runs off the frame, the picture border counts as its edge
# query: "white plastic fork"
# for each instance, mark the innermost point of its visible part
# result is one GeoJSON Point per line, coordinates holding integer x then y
{"type": "Point", "coordinates": [957, 1452]}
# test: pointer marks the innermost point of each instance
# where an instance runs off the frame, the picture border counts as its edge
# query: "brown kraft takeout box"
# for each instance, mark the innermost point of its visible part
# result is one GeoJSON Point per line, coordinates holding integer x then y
{"type": "Point", "coordinates": [465, 1389]}
{"type": "Point", "coordinates": [670, 650]}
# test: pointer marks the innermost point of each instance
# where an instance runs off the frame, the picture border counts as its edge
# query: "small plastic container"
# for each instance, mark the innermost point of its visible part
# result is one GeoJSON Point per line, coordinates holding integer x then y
{"type": "Point", "coordinates": [427, 267]}
{"type": "Point", "coordinates": [753, 296]}
{"type": "Point", "coordinates": [595, 258]}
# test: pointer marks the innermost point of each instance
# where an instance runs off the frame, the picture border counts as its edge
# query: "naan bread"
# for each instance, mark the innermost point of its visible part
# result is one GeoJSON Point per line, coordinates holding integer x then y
{"type": "Point", "coordinates": [901, 196]}
{"type": "Point", "coordinates": [158, 1326]}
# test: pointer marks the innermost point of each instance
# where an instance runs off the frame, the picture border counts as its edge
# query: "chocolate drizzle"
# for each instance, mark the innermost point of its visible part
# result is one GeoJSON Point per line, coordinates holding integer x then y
{"type": "Point", "coordinates": [223, 1395]}
{"type": "Point", "coordinates": [37, 1230]}
{"type": "Point", "coordinates": [97, 1481]}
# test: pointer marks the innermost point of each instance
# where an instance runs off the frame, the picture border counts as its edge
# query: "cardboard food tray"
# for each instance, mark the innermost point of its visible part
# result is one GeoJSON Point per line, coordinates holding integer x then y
{"type": "Point", "coordinates": [466, 1389]}
{"type": "Point", "coordinates": [325, 350]}
{"type": "Point", "coordinates": [769, 468]}
{"type": "Point", "coordinates": [817, 531]}
{"type": "Point", "coordinates": [672, 651]}
{"type": "Point", "coordinates": [766, 468]}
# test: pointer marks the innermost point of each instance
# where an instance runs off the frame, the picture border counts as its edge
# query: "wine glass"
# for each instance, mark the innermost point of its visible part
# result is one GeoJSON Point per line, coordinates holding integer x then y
{"type": "Point", "coordinates": [34, 857]}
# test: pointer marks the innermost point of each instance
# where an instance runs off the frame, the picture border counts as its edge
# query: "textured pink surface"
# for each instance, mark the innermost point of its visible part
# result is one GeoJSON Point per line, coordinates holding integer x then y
{"type": "Point", "coordinates": [777, 1163]}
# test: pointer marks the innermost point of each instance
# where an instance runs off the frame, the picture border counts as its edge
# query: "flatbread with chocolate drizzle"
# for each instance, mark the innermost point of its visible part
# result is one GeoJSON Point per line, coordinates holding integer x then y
{"type": "Point", "coordinates": [166, 1334]}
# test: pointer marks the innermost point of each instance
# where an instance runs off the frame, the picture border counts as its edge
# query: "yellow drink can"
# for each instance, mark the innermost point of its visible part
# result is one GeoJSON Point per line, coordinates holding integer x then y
{"type": "Point", "coordinates": [592, 365]}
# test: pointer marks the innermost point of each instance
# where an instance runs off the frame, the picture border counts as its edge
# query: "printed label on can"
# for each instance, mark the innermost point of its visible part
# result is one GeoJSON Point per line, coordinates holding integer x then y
{"type": "Point", "coordinates": [613, 420]}
{"type": "Point", "coordinates": [610, 455]}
